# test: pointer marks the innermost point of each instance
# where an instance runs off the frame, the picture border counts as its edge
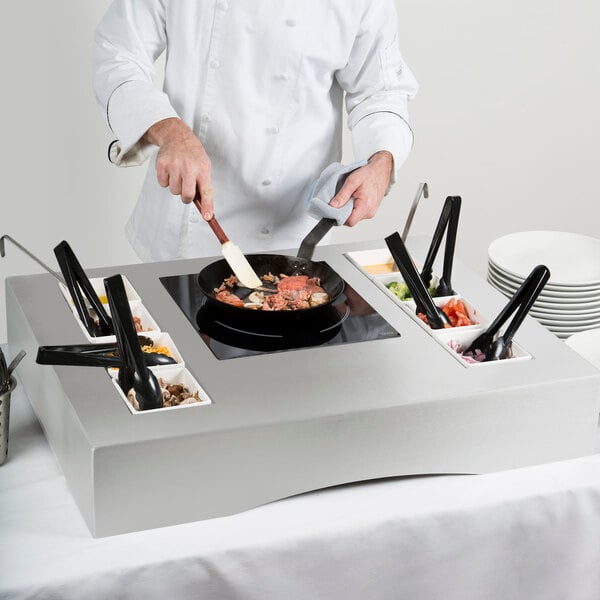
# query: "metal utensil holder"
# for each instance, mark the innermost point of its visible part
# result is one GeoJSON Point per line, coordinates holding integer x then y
{"type": "Point", "coordinates": [5, 418]}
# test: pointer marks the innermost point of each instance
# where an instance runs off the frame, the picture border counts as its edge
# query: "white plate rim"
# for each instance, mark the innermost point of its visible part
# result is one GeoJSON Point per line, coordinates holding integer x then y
{"type": "Point", "coordinates": [498, 249]}
{"type": "Point", "coordinates": [560, 306]}
{"type": "Point", "coordinates": [548, 289]}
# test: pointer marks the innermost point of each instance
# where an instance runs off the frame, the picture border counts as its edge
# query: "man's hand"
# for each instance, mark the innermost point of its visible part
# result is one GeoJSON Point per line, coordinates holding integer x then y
{"type": "Point", "coordinates": [367, 185]}
{"type": "Point", "coordinates": [182, 164]}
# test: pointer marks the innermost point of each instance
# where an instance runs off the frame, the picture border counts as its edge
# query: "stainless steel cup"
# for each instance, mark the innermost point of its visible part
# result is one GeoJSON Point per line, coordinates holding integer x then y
{"type": "Point", "coordinates": [4, 419]}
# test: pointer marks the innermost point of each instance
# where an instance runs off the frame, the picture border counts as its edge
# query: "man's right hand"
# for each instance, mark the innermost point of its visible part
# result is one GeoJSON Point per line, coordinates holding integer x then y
{"type": "Point", "coordinates": [182, 164]}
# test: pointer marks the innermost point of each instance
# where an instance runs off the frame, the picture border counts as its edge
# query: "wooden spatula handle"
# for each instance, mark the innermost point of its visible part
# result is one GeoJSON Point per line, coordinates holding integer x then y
{"type": "Point", "coordinates": [214, 225]}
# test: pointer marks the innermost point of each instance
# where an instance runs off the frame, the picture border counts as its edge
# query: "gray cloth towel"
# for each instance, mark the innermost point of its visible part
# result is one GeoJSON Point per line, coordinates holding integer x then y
{"type": "Point", "coordinates": [326, 187]}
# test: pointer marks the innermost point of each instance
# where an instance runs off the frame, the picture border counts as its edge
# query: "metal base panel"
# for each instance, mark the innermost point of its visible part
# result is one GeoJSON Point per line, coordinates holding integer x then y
{"type": "Point", "coordinates": [286, 423]}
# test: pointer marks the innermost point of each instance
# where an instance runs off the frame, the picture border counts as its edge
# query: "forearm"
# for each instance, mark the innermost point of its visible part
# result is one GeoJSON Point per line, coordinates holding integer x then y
{"type": "Point", "coordinates": [383, 161]}
{"type": "Point", "coordinates": [166, 131]}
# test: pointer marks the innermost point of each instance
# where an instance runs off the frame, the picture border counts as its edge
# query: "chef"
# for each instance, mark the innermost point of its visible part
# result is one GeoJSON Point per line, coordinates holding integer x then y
{"type": "Point", "coordinates": [250, 113]}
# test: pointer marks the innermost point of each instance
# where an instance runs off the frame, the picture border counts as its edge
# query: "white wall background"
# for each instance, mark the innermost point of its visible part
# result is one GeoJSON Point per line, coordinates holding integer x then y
{"type": "Point", "coordinates": [507, 117]}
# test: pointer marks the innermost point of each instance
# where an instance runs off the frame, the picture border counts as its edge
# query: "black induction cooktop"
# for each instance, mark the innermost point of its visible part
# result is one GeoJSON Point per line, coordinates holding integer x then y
{"type": "Point", "coordinates": [350, 320]}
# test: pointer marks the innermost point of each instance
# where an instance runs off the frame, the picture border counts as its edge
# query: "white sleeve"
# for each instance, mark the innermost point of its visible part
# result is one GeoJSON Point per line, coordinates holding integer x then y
{"type": "Point", "coordinates": [128, 40]}
{"type": "Point", "coordinates": [378, 86]}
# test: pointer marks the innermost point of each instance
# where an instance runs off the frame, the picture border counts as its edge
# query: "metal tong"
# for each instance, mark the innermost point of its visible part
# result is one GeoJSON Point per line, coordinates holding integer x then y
{"type": "Point", "coordinates": [436, 318]}
{"type": "Point", "coordinates": [133, 372]}
{"type": "Point", "coordinates": [447, 223]}
{"type": "Point", "coordinates": [523, 299]}
{"type": "Point", "coordinates": [30, 254]}
{"type": "Point", "coordinates": [81, 289]}
{"type": "Point", "coordinates": [422, 190]}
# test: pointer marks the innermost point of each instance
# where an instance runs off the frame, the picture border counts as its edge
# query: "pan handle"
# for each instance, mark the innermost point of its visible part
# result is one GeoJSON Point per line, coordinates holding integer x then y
{"type": "Point", "coordinates": [314, 236]}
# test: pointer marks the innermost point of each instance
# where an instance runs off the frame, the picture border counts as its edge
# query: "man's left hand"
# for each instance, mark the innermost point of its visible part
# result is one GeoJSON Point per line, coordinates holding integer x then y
{"type": "Point", "coordinates": [368, 186]}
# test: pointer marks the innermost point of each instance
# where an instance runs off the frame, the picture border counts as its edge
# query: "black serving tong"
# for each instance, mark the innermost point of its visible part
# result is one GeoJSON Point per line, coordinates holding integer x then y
{"type": "Point", "coordinates": [523, 299]}
{"type": "Point", "coordinates": [81, 289]}
{"type": "Point", "coordinates": [447, 223]}
{"type": "Point", "coordinates": [133, 372]}
{"type": "Point", "coordinates": [94, 355]}
{"type": "Point", "coordinates": [436, 317]}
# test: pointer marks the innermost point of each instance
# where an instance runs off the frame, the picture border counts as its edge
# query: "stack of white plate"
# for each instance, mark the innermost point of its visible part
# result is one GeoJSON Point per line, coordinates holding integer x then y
{"type": "Point", "coordinates": [570, 301]}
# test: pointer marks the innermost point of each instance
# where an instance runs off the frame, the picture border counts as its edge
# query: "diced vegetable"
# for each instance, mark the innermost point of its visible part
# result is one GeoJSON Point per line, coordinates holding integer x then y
{"type": "Point", "coordinates": [457, 313]}
{"type": "Point", "coordinates": [400, 289]}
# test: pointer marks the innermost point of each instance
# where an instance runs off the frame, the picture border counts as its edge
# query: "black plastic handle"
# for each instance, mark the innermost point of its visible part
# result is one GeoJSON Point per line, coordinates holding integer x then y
{"type": "Point", "coordinates": [521, 301]}
{"type": "Point", "coordinates": [455, 204]}
{"type": "Point", "coordinates": [79, 285]}
{"type": "Point", "coordinates": [79, 355]}
{"type": "Point", "coordinates": [533, 285]}
{"type": "Point", "coordinates": [314, 236]}
{"type": "Point", "coordinates": [133, 372]}
{"type": "Point", "coordinates": [447, 223]}
{"type": "Point", "coordinates": [435, 317]}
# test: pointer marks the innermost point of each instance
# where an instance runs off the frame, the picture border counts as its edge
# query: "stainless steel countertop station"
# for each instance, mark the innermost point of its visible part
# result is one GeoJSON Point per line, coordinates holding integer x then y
{"type": "Point", "coordinates": [288, 422]}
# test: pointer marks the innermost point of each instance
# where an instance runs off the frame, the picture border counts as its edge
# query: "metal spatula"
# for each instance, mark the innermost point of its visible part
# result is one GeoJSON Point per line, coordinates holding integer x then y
{"type": "Point", "coordinates": [233, 255]}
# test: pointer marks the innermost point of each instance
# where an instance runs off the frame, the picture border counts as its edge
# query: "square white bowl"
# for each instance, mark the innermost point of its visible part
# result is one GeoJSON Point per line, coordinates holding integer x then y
{"type": "Point", "coordinates": [98, 285]}
{"type": "Point", "coordinates": [382, 282]}
{"type": "Point", "coordinates": [170, 376]}
{"type": "Point", "coordinates": [149, 325]}
{"type": "Point", "coordinates": [159, 339]}
{"type": "Point", "coordinates": [473, 314]}
{"type": "Point", "coordinates": [373, 258]}
{"type": "Point", "coordinates": [464, 339]}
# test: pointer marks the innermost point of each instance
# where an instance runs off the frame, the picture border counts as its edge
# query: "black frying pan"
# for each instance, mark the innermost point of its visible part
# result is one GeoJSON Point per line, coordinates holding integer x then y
{"type": "Point", "coordinates": [212, 277]}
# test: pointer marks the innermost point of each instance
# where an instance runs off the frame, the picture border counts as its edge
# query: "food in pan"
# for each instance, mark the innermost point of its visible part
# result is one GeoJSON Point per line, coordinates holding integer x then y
{"type": "Point", "coordinates": [457, 313]}
{"type": "Point", "coordinates": [174, 394]}
{"type": "Point", "coordinates": [282, 292]}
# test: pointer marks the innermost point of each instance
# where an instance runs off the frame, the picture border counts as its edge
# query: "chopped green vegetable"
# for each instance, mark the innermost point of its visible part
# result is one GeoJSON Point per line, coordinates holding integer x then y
{"type": "Point", "coordinates": [401, 290]}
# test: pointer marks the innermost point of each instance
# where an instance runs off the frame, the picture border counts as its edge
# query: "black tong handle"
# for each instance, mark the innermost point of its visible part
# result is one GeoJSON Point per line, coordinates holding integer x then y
{"type": "Point", "coordinates": [79, 286]}
{"type": "Point", "coordinates": [447, 223]}
{"type": "Point", "coordinates": [521, 302]}
{"type": "Point", "coordinates": [436, 318]}
{"type": "Point", "coordinates": [80, 355]}
{"type": "Point", "coordinates": [133, 373]}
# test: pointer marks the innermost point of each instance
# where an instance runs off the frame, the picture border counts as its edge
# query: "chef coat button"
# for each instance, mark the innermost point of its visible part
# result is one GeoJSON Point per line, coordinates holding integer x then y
{"type": "Point", "coordinates": [194, 217]}
{"type": "Point", "coordinates": [205, 118]}
{"type": "Point", "coordinates": [265, 231]}
{"type": "Point", "coordinates": [273, 130]}
{"type": "Point", "coordinates": [291, 22]}
{"type": "Point", "coordinates": [215, 64]}
{"type": "Point", "coordinates": [223, 6]}
{"type": "Point", "coordinates": [267, 182]}
{"type": "Point", "coordinates": [282, 76]}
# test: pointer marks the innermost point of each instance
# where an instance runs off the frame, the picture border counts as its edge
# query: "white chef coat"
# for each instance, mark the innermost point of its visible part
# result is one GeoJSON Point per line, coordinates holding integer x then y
{"type": "Point", "coordinates": [261, 82]}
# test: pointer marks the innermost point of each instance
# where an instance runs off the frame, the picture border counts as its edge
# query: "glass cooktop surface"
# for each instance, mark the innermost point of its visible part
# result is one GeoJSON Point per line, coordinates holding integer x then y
{"type": "Point", "coordinates": [348, 319]}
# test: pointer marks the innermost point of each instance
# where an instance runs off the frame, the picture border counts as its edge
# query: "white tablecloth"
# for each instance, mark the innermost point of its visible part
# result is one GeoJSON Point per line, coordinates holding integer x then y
{"type": "Point", "coordinates": [527, 534]}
